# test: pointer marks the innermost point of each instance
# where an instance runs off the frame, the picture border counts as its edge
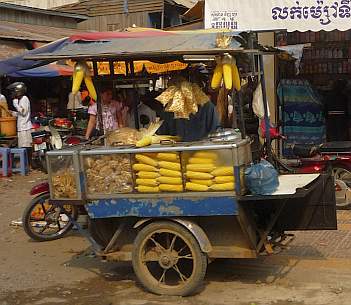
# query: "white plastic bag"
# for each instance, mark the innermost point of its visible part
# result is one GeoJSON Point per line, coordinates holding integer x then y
{"type": "Point", "coordinates": [257, 102]}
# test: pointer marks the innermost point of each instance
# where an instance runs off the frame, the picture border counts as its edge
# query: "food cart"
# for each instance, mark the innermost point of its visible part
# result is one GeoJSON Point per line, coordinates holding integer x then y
{"type": "Point", "coordinates": [171, 233]}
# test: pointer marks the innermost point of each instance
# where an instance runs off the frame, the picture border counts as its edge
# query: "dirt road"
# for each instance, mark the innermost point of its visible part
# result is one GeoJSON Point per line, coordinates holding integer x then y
{"type": "Point", "coordinates": [315, 270]}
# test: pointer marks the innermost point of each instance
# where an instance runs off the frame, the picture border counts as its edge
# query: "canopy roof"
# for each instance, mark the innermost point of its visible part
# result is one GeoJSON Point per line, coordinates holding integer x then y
{"type": "Point", "coordinates": [139, 45]}
{"type": "Point", "coordinates": [52, 70]}
{"type": "Point", "coordinates": [130, 44]}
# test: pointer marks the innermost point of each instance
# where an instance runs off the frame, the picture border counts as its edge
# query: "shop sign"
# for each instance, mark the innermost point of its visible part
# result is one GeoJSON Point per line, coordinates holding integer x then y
{"type": "Point", "coordinates": [292, 15]}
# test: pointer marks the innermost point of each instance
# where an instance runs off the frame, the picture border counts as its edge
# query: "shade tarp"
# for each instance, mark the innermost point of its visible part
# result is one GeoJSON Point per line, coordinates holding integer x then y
{"type": "Point", "coordinates": [18, 63]}
{"type": "Point", "coordinates": [136, 46]}
{"type": "Point", "coordinates": [47, 71]}
{"type": "Point", "coordinates": [268, 15]}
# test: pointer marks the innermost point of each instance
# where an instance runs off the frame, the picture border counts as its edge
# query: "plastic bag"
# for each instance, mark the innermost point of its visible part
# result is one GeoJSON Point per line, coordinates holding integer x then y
{"type": "Point", "coordinates": [257, 102]}
{"type": "Point", "coordinates": [262, 178]}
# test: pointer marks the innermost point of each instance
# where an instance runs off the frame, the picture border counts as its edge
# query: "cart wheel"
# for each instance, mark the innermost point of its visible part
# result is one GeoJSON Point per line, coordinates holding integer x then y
{"type": "Point", "coordinates": [43, 221]}
{"type": "Point", "coordinates": [168, 260]}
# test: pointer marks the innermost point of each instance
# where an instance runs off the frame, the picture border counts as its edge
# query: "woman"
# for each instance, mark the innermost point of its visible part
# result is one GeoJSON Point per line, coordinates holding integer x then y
{"type": "Point", "coordinates": [114, 115]}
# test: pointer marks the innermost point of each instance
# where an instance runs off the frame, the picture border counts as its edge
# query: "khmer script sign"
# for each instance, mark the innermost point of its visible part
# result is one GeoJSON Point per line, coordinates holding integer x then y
{"type": "Point", "coordinates": [292, 15]}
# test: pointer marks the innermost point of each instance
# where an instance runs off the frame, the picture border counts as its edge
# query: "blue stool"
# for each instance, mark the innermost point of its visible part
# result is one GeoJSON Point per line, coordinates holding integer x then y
{"type": "Point", "coordinates": [20, 153]}
{"type": "Point", "coordinates": [5, 161]}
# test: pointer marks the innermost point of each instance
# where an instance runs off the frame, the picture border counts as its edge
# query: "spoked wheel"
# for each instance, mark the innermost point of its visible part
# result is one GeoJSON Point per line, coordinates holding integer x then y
{"type": "Point", "coordinates": [43, 221]}
{"type": "Point", "coordinates": [168, 260]}
{"type": "Point", "coordinates": [342, 178]}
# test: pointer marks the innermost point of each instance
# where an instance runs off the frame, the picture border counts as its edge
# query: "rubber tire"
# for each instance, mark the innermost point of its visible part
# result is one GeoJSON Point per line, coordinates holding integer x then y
{"type": "Point", "coordinates": [26, 219]}
{"type": "Point", "coordinates": [200, 261]}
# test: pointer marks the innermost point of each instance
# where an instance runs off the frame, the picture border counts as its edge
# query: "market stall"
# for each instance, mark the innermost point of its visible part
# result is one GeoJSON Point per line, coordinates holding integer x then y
{"type": "Point", "coordinates": [172, 206]}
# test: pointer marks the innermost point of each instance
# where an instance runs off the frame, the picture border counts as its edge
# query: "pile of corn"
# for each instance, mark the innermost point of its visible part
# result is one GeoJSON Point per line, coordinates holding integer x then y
{"type": "Point", "coordinates": [158, 173]}
{"type": "Point", "coordinates": [203, 173]}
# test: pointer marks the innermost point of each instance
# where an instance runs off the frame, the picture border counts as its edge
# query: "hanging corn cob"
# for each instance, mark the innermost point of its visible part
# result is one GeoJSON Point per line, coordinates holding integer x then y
{"type": "Point", "coordinates": [227, 71]}
{"type": "Point", "coordinates": [81, 71]}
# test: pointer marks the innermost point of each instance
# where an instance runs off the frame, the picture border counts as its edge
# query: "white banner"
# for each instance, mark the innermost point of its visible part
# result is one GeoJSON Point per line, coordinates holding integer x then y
{"type": "Point", "coordinates": [292, 15]}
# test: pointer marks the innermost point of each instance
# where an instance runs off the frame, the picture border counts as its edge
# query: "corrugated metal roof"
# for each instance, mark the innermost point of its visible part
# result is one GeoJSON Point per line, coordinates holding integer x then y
{"type": "Point", "coordinates": [10, 48]}
{"type": "Point", "coordinates": [41, 11]}
{"type": "Point", "coordinates": [18, 31]}
{"type": "Point", "coordinates": [186, 3]}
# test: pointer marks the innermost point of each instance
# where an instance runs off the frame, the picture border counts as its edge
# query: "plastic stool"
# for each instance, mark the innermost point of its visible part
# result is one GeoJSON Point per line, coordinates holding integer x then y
{"type": "Point", "coordinates": [5, 161]}
{"type": "Point", "coordinates": [22, 154]}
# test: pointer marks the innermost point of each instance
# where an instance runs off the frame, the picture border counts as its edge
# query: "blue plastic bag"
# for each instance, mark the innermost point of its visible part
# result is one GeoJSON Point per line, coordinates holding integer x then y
{"type": "Point", "coordinates": [262, 178]}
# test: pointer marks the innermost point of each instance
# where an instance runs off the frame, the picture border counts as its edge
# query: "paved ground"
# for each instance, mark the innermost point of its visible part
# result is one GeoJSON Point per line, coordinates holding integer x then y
{"type": "Point", "coordinates": [315, 270]}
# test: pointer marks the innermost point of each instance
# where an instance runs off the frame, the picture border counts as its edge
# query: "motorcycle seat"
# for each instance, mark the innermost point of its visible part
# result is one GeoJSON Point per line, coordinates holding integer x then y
{"type": "Point", "coordinates": [40, 134]}
{"type": "Point", "coordinates": [305, 150]}
{"type": "Point", "coordinates": [336, 147]}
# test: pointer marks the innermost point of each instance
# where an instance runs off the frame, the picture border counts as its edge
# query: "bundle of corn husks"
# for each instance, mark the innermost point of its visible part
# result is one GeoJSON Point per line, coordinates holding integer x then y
{"type": "Point", "coordinates": [183, 99]}
{"type": "Point", "coordinates": [144, 137]}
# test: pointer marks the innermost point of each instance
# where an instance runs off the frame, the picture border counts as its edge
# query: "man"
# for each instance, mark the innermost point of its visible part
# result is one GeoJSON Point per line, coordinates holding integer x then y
{"type": "Point", "coordinates": [114, 114]}
{"type": "Point", "coordinates": [22, 111]}
{"type": "Point", "coordinates": [145, 113]}
{"type": "Point", "coordinates": [3, 106]}
{"type": "Point", "coordinates": [198, 127]}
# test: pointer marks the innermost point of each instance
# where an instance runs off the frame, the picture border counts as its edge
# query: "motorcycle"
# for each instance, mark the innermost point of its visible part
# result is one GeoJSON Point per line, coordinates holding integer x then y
{"type": "Point", "coordinates": [43, 221]}
{"type": "Point", "coordinates": [41, 144]}
{"type": "Point", "coordinates": [335, 156]}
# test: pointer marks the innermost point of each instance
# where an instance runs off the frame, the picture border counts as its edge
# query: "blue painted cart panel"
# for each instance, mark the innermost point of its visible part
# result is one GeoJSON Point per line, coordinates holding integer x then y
{"type": "Point", "coordinates": [166, 207]}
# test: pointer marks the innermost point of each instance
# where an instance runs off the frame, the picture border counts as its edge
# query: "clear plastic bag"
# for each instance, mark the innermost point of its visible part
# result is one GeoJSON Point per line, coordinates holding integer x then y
{"type": "Point", "coordinates": [262, 178]}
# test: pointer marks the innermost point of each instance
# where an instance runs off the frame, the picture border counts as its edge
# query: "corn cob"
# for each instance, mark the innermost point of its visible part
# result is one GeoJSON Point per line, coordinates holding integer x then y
{"type": "Point", "coordinates": [146, 160]}
{"type": "Point", "coordinates": [223, 171]}
{"type": "Point", "coordinates": [146, 182]}
{"type": "Point", "coordinates": [90, 86]}
{"type": "Point", "coordinates": [236, 77]}
{"type": "Point", "coordinates": [170, 165]}
{"type": "Point", "coordinates": [199, 176]}
{"type": "Point", "coordinates": [171, 188]}
{"type": "Point", "coordinates": [144, 167]}
{"type": "Point", "coordinates": [145, 141]}
{"type": "Point", "coordinates": [147, 189]}
{"type": "Point", "coordinates": [170, 180]}
{"type": "Point", "coordinates": [223, 179]}
{"type": "Point", "coordinates": [200, 161]}
{"type": "Point", "coordinates": [202, 182]}
{"type": "Point", "coordinates": [206, 155]}
{"type": "Point", "coordinates": [203, 168]}
{"type": "Point", "coordinates": [78, 76]}
{"type": "Point", "coordinates": [228, 76]}
{"type": "Point", "coordinates": [170, 173]}
{"type": "Point", "coordinates": [196, 187]}
{"type": "Point", "coordinates": [223, 187]}
{"type": "Point", "coordinates": [148, 175]}
{"type": "Point", "coordinates": [170, 157]}
{"type": "Point", "coordinates": [217, 77]}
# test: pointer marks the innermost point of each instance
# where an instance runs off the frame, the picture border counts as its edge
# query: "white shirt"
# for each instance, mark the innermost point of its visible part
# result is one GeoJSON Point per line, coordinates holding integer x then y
{"type": "Point", "coordinates": [2, 99]}
{"type": "Point", "coordinates": [23, 113]}
{"type": "Point", "coordinates": [143, 110]}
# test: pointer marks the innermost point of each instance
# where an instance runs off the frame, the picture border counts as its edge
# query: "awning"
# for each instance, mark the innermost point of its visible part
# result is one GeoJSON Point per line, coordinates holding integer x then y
{"type": "Point", "coordinates": [18, 63]}
{"type": "Point", "coordinates": [52, 70]}
{"type": "Point", "coordinates": [160, 45]}
{"type": "Point", "coordinates": [163, 49]}
{"type": "Point", "coordinates": [268, 15]}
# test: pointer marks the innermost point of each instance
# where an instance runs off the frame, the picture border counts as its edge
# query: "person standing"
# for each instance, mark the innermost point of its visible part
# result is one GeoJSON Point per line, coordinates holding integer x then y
{"type": "Point", "coordinates": [22, 111]}
{"type": "Point", "coordinates": [3, 106]}
{"type": "Point", "coordinates": [113, 115]}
